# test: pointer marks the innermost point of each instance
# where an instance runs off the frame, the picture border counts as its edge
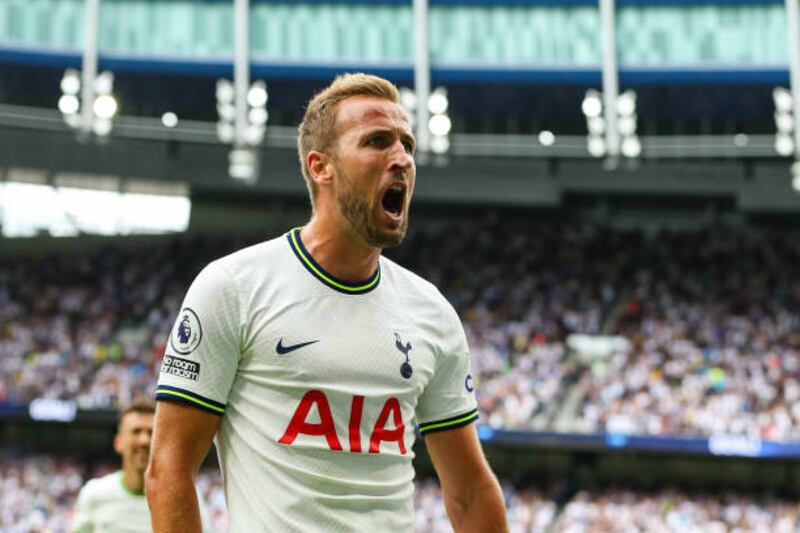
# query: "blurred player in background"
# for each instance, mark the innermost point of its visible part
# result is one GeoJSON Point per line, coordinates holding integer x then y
{"type": "Point", "coordinates": [310, 357]}
{"type": "Point", "coordinates": [116, 502]}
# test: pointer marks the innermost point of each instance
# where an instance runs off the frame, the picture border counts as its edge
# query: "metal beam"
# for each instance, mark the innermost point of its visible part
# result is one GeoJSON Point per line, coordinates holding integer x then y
{"type": "Point", "coordinates": [422, 73]}
{"type": "Point", "coordinates": [610, 75]}
{"type": "Point", "coordinates": [241, 66]}
{"type": "Point", "coordinates": [48, 121]}
{"type": "Point", "coordinates": [793, 22]}
{"type": "Point", "coordinates": [89, 67]}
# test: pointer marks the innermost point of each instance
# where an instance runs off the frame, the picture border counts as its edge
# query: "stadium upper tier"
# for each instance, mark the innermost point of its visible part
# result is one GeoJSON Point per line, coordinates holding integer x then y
{"type": "Point", "coordinates": [475, 40]}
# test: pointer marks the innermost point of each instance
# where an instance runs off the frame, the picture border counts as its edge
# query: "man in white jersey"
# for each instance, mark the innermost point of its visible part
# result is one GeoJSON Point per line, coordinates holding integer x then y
{"type": "Point", "coordinates": [116, 502]}
{"type": "Point", "coordinates": [310, 358]}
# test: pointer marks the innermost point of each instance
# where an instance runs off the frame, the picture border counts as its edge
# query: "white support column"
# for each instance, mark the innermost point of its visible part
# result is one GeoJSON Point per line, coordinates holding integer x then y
{"type": "Point", "coordinates": [241, 66]}
{"type": "Point", "coordinates": [793, 22]}
{"type": "Point", "coordinates": [422, 73]}
{"type": "Point", "coordinates": [610, 74]}
{"type": "Point", "coordinates": [89, 67]}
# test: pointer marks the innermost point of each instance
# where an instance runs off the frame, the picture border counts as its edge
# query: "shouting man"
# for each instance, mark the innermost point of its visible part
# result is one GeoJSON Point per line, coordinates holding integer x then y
{"type": "Point", "coordinates": [310, 358]}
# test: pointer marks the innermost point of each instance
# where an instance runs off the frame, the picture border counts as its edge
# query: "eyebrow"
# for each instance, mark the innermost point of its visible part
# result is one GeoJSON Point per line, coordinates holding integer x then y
{"type": "Point", "coordinates": [404, 134]}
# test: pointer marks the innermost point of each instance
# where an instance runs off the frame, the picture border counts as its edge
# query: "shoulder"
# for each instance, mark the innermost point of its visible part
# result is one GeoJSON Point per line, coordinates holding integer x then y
{"type": "Point", "coordinates": [416, 290]}
{"type": "Point", "coordinates": [253, 256]}
{"type": "Point", "coordinates": [405, 278]}
{"type": "Point", "coordinates": [101, 486]}
{"type": "Point", "coordinates": [245, 266]}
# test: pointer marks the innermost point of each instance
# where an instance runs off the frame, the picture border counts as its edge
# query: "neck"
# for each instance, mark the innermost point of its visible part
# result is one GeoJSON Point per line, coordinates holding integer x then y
{"type": "Point", "coordinates": [133, 479]}
{"type": "Point", "coordinates": [339, 250]}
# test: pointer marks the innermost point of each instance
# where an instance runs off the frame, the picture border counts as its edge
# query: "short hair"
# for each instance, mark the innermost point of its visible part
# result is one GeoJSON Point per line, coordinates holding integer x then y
{"type": "Point", "coordinates": [317, 131]}
{"type": "Point", "coordinates": [138, 405]}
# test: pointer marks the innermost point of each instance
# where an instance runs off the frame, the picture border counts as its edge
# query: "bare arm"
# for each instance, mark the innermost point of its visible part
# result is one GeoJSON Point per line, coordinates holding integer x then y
{"type": "Point", "coordinates": [181, 438]}
{"type": "Point", "coordinates": [472, 495]}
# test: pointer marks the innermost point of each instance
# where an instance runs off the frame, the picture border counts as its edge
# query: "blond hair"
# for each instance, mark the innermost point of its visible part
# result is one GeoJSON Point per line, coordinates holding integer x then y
{"type": "Point", "coordinates": [317, 131]}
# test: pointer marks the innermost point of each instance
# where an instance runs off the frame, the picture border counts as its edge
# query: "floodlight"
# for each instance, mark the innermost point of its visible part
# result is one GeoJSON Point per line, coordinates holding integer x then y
{"type": "Point", "coordinates": [169, 119]}
{"type": "Point", "coordinates": [225, 132]}
{"type": "Point", "coordinates": [69, 104]}
{"type": "Point", "coordinates": [784, 102]}
{"type": "Point", "coordinates": [105, 106]}
{"type": "Point", "coordinates": [71, 82]}
{"type": "Point", "coordinates": [795, 170]}
{"type": "Point", "coordinates": [254, 135]}
{"type": "Point", "coordinates": [73, 120]}
{"type": "Point", "coordinates": [592, 105]}
{"type": "Point", "coordinates": [796, 183]}
{"type": "Point", "coordinates": [437, 102]}
{"type": "Point", "coordinates": [440, 144]}
{"type": "Point", "coordinates": [597, 146]}
{"type": "Point", "coordinates": [784, 144]}
{"type": "Point", "coordinates": [226, 111]}
{"type": "Point", "coordinates": [101, 127]}
{"type": "Point", "coordinates": [225, 92]}
{"type": "Point", "coordinates": [784, 122]}
{"type": "Point", "coordinates": [439, 125]}
{"type": "Point", "coordinates": [626, 104]}
{"type": "Point", "coordinates": [104, 83]}
{"type": "Point", "coordinates": [242, 164]}
{"type": "Point", "coordinates": [257, 116]}
{"type": "Point", "coordinates": [596, 125]}
{"type": "Point", "coordinates": [408, 99]}
{"type": "Point", "coordinates": [257, 95]}
{"type": "Point", "coordinates": [547, 138]}
{"type": "Point", "coordinates": [631, 147]}
{"type": "Point", "coordinates": [627, 125]}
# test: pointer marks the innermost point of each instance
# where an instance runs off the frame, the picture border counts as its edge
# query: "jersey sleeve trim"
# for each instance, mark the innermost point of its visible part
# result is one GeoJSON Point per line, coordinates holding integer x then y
{"type": "Point", "coordinates": [449, 423]}
{"type": "Point", "coordinates": [165, 392]}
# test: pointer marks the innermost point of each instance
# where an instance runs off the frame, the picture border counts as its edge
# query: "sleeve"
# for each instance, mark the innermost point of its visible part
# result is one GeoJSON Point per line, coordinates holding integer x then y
{"type": "Point", "coordinates": [204, 346]}
{"type": "Point", "coordinates": [448, 400]}
{"type": "Point", "coordinates": [82, 522]}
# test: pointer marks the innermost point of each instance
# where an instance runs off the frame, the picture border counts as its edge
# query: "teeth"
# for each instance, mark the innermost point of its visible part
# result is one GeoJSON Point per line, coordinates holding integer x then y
{"type": "Point", "coordinates": [396, 188]}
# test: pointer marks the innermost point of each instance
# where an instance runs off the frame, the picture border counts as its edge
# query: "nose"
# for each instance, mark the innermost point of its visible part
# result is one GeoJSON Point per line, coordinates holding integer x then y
{"type": "Point", "coordinates": [144, 438]}
{"type": "Point", "coordinates": [401, 160]}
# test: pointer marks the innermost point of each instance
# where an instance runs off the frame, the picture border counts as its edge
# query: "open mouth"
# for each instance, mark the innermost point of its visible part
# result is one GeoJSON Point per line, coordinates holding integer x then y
{"type": "Point", "coordinates": [393, 199]}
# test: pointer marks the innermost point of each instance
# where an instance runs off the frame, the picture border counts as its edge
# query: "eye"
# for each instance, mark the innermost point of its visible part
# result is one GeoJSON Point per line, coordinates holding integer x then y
{"type": "Point", "coordinates": [408, 146]}
{"type": "Point", "coordinates": [377, 140]}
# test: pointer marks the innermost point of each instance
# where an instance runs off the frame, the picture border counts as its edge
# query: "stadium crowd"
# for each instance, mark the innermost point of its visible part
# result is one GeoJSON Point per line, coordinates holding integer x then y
{"type": "Point", "coordinates": [38, 492]}
{"type": "Point", "coordinates": [711, 318]}
{"type": "Point", "coordinates": [714, 325]}
{"type": "Point", "coordinates": [672, 511]}
{"type": "Point", "coordinates": [92, 328]}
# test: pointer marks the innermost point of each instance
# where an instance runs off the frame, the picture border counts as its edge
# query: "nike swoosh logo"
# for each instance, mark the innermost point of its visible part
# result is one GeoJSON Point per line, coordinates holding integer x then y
{"type": "Point", "coordinates": [283, 350]}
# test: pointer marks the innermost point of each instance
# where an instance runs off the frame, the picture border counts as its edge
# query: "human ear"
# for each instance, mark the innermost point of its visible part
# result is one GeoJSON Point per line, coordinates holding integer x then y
{"type": "Point", "coordinates": [320, 167]}
{"type": "Point", "coordinates": [117, 444]}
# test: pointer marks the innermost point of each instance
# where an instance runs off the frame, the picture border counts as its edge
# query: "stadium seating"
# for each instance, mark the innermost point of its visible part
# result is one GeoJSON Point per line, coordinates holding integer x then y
{"type": "Point", "coordinates": [38, 492]}
{"type": "Point", "coordinates": [711, 320]}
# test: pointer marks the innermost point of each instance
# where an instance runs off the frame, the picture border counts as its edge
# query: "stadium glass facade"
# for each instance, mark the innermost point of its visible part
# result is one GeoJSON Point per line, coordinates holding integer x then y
{"type": "Point", "coordinates": [524, 35]}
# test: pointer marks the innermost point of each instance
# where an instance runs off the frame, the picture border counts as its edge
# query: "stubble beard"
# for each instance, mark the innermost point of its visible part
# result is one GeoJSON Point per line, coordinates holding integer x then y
{"type": "Point", "coordinates": [361, 217]}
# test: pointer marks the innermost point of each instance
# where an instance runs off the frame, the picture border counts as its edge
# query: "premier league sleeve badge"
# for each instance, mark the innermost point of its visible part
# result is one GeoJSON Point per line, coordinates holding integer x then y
{"type": "Point", "coordinates": [187, 333]}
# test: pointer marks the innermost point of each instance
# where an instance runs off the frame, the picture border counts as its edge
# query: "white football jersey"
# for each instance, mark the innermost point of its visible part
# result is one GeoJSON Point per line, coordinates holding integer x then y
{"type": "Point", "coordinates": [107, 505]}
{"type": "Point", "coordinates": [319, 383]}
